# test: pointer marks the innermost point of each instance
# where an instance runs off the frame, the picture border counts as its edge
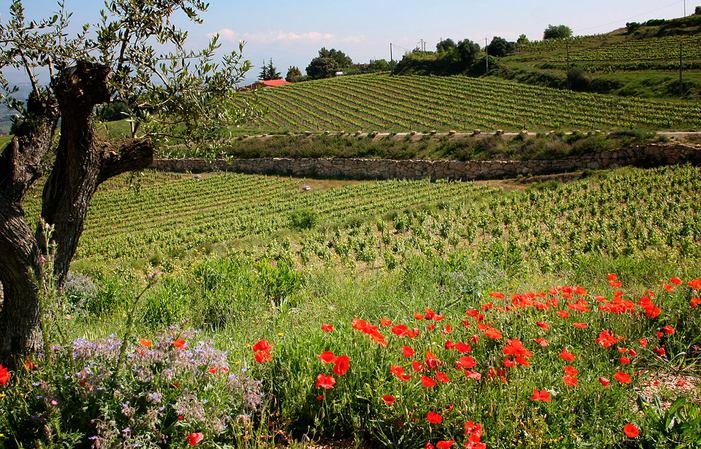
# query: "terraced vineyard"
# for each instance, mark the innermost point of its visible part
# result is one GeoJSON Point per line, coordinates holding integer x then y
{"type": "Point", "coordinates": [174, 214]}
{"type": "Point", "coordinates": [379, 102]}
{"type": "Point", "coordinates": [654, 49]}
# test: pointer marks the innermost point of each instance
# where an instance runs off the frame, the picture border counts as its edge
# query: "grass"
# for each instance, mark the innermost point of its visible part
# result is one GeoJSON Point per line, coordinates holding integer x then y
{"type": "Point", "coordinates": [437, 258]}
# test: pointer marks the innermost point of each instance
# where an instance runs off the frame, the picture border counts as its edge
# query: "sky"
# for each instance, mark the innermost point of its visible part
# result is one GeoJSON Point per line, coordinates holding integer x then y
{"type": "Point", "coordinates": [292, 32]}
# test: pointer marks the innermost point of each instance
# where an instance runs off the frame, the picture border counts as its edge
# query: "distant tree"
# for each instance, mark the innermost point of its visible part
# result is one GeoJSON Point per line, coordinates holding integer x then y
{"type": "Point", "coordinates": [500, 47]}
{"type": "Point", "coordinates": [445, 45]}
{"type": "Point", "coordinates": [577, 80]}
{"type": "Point", "coordinates": [632, 27]}
{"type": "Point", "coordinates": [697, 11]}
{"type": "Point", "coordinates": [468, 52]}
{"type": "Point", "coordinates": [341, 59]}
{"type": "Point", "coordinates": [557, 32]}
{"type": "Point", "coordinates": [292, 73]}
{"type": "Point", "coordinates": [522, 39]}
{"type": "Point", "coordinates": [269, 72]}
{"type": "Point", "coordinates": [378, 65]}
{"type": "Point", "coordinates": [322, 67]}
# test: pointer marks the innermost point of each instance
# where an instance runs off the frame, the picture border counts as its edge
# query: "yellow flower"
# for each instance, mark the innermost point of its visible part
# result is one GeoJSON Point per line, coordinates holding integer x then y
{"type": "Point", "coordinates": [280, 334]}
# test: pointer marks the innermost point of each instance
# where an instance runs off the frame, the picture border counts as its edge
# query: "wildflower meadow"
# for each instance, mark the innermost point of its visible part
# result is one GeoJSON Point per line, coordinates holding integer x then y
{"type": "Point", "coordinates": [400, 330]}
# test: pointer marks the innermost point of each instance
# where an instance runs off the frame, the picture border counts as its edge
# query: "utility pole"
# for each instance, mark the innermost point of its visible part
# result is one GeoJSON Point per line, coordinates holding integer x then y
{"type": "Point", "coordinates": [681, 67]}
{"type": "Point", "coordinates": [486, 59]}
{"type": "Point", "coordinates": [391, 61]}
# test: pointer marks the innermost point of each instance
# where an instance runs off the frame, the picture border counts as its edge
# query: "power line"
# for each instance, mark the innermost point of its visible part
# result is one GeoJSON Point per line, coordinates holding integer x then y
{"type": "Point", "coordinates": [633, 17]}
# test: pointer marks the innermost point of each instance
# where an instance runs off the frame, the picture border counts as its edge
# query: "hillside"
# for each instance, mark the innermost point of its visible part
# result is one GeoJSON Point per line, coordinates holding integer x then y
{"type": "Point", "coordinates": [381, 102]}
{"type": "Point", "coordinates": [638, 60]}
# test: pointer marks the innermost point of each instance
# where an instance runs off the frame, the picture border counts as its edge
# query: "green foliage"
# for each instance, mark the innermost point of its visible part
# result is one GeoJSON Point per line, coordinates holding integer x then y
{"type": "Point", "coordinates": [500, 47]}
{"type": "Point", "coordinates": [293, 73]}
{"type": "Point", "coordinates": [304, 219]}
{"type": "Point", "coordinates": [445, 45]}
{"type": "Point", "coordinates": [341, 58]}
{"type": "Point", "coordinates": [322, 67]}
{"type": "Point", "coordinates": [269, 72]}
{"type": "Point", "coordinates": [557, 32]}
{"type": "Point", "coordinates": [378, 65]}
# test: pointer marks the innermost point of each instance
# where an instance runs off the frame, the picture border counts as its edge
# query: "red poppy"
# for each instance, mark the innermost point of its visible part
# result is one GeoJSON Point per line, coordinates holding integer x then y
{"type": "Point", "coordinates": [463, 347]}
{"type": "Point", "coordinates": [472, 312]}
{"type": "Point", "coordinates": [668, 287]}
{"type": "Point", "coordinates": [571, 381]}
{"type": "Point", "coordinates": [145, 343]}
{"type": "Point", "coordinates": [431, 327]}
{"type": "Point", "coordinates": [179, 343]}
{"type": "Point", "coordinates": [262, 346]}
{"type": "Point", "coordinates": [320, 397]}
{"type": "Point", "coordinates": [449, 345]}
{"type": "Point", "coordinates": [466, 362]}
{"type": "Point", "coordinates": [407, 351]}
{"type": "Point", "coordinates": [323, 381]}
{"type": "Point", "coordinates": [427, 382]}
{"type": "Point", "coordinates": [418, 367]}
{"type": "Point", "coordinates": [580, 291]}
{"type": "Point", "coordinates": [695, 284]}
{"type": "Point", "coordinates": [508, 363]}
{"type": "Point", "coordinates": [487, 306]}
{"type": "Point", "coordinates": [442, 377]}
{"type": "Point", "coordinates": [668, 329]}
{"type": "Point", "coordinates": [497, 295]}
{"type": "Point", "coordinates": [675, 281]}
{"type": "Point", "coordinates": [388, 398]}
{"type": "Point", "coordinates": [659, 351]}
{"type": "Point", "coordinates": [429, 446]}
{"type": "Point", "coordinates": [212, 369]}
{"type": "Point", "coordinates": [541, 395]}
{"type": "Point", "coordinates": [473, 375]}
{"type": "Point", "coordinates": [580, 325]}
{"type": "Point", "coordinates": [29, 365]}
{"type": "Point", "coordinates": [615, 284]}
{"type": "Point", "coordinates": [445, 444]}
{"type": "Point", "coordinates": [631, 431]}
{"type": "Point", "coordinates": [622, 377]}
{"type": "Point", "coordinates": [447, 329]}
{"type": "Point", "coordinates": [194, 438]}
{"type": "Point", "coordinates": [342, 364]}
{"type": "Point", "coordinates": [418, 316]}
{"type": "Point", "coordinates": [563, 313]}
{"type": "Point", "coordinates": [263, 356]}
{"type": "Point", "coordinates": [4, 375]}
{"type": "Point", "coordinates": [542, 342]}
{"type": "Point", "coordinates": [385, 322]}
{"type": "Point", "coordinates": [327, 357]}
{"type": "Point", "coordinates": [632, 353]}
{"type": "Point", "coordinates": [327, 327]}
{"type": "Point", "coordinates": [604, 381]}
{"type": "Point", "coordinates": [399, 372]}
{"type": "Point", "coordinates": [542, 325]}
{"type": "Point", "coordinates": [681, 383]}
{"type": "Point", "coordinates": [643, 342]}
{"type": "Point", "coordinates": [434, 417]}
{"type": "Point", "coordinates": [493, 333]}
{"type": "Point", "coordinates": [695, 302]}
{"type": "Point", "coordinates": [625, 360]}
{"type": "Point", "coordinates": [571, 371]}
{"type": "Point", "coordinates": [566, 355]}
{"type": "Point", "coordinates": [612, 277]}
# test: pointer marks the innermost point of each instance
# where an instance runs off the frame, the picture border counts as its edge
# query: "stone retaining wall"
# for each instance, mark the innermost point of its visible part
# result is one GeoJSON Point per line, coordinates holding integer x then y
{"type": "Point", "coordinates": [644, 155]}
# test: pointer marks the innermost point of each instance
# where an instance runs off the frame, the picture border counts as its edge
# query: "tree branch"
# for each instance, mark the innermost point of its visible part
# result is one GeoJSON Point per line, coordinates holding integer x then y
{"type": "Point", "coordinates": [124, 155]}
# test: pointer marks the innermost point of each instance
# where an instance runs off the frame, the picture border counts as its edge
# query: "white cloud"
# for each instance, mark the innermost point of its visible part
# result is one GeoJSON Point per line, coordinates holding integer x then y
{"type": "Point", "coordinates": [226, 34]}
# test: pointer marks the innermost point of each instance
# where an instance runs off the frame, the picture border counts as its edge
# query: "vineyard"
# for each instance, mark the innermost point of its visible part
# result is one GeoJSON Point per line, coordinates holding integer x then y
{"type": "Point", "coordinates": [169, 215]}
{"type": "Point", "coordinates": [653, 49]}
{"type": "Point", "coordinates": [400, 103]}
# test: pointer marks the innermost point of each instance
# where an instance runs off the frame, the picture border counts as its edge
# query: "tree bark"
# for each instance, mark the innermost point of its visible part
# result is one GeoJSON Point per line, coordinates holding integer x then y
{"type": "Point", "coordinates": [83, 161]}
{"type": "Point", "coordinates": [21, 164]}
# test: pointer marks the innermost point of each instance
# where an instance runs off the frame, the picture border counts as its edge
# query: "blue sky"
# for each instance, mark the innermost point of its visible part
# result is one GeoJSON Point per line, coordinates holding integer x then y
{"type": "Point", "coordinates": [292, 32]}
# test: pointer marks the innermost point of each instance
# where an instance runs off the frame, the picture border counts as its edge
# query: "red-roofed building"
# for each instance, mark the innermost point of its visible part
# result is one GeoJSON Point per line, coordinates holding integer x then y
{"type": "Point", "coordinates": [269, 83]}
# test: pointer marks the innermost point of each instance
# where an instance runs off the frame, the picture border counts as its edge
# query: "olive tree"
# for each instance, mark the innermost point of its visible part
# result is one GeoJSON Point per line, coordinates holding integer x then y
{"type": "Point", "coordinates": [179, 94]}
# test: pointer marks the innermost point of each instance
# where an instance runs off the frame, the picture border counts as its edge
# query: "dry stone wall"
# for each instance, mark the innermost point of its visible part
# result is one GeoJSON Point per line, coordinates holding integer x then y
{"type": "Point", "coordinates": [645, 155]}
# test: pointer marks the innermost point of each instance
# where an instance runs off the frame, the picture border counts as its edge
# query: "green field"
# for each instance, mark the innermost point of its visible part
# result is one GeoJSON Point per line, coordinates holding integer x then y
{"type": "Point", "coordinates": [519, 275]}
{"type": "Point", "coordinates": [380, 102]}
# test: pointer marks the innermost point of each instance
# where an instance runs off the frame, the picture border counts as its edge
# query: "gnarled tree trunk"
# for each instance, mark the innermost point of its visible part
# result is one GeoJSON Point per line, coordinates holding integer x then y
{"type": "Point", "coordinates": [83, 161]}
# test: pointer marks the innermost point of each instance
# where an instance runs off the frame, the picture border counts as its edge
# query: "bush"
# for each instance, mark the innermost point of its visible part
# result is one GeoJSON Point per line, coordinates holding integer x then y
{"type": "Point", "coordinates": [557, 32]}
{"type": "Point", "coordinates": [304, 219]}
